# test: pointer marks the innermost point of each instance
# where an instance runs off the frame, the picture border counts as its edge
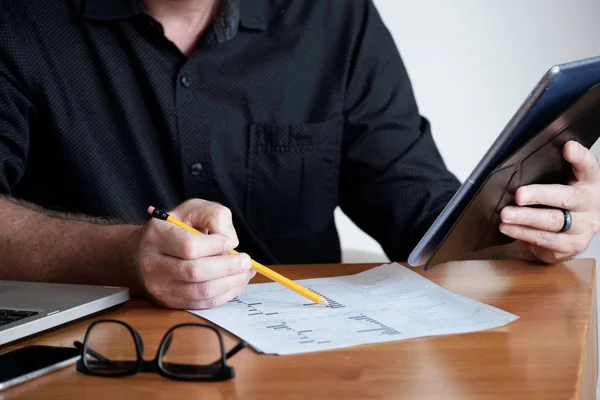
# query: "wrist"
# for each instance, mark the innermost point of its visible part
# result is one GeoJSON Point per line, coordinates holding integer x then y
{"type": "Point", "coordinates": [128, 241]}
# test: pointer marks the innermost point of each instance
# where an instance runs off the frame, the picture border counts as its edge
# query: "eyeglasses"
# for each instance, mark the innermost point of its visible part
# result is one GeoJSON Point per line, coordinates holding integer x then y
{"type": "Point", "coordinates": [187, 352]}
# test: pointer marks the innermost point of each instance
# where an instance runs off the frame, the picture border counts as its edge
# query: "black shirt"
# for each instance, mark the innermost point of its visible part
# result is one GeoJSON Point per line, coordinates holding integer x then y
{"type": "Point", "coordinates": [285, 110]}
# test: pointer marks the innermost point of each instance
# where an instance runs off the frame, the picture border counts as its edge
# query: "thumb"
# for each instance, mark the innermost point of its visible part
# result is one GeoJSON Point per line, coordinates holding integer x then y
{"type": "Point", "coordinates": [205, 215]}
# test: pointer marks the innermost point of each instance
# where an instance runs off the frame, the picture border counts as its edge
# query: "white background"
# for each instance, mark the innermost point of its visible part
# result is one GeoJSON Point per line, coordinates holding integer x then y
{"type": "Point", "coordinates": [472, 62]}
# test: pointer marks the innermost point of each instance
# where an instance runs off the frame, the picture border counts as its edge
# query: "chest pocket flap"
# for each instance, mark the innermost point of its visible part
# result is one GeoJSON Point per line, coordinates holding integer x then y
{"type": "Point", "coordinates": [293, 177]}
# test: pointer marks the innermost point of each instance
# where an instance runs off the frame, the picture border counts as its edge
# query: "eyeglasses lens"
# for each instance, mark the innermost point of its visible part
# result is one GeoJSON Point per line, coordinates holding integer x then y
{"type": "Point", "coordinates": [192, 352]}
{"type": "Point", "coordinates": [110, 349]}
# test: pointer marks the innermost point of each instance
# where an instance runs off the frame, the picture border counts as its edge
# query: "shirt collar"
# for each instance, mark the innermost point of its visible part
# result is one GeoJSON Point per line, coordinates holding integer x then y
{"type": "Point", "coordinates": [253, 13]}
{"type": "Point", "coordinates": [111, 10]}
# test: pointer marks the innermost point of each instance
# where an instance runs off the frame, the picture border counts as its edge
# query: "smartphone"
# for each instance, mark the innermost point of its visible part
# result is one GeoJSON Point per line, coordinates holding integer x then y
{"type": "Point", "coordinates": [28, 362]}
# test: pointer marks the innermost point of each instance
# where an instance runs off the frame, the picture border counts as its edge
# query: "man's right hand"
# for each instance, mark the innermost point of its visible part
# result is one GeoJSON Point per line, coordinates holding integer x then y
{"type": "Point", "coordinates": [179, 269]}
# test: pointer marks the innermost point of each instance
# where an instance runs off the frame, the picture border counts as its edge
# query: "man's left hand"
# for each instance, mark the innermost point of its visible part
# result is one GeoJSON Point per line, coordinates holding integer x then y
{"type": "Point", "coordinates": [537, 230]}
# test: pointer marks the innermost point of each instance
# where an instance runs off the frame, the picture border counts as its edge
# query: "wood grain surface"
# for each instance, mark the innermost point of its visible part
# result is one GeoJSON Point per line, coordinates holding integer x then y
{"type": "Point", "coordinates": [549, 353]}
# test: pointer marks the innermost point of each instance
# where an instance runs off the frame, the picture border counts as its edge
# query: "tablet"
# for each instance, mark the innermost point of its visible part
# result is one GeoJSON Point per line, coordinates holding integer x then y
{"type": "Point", "coordinates": [565, 91]}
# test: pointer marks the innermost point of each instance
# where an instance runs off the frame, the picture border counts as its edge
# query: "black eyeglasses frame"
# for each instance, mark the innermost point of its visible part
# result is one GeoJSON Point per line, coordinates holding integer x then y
{"type": "Point", "coordinates": [217, 371]}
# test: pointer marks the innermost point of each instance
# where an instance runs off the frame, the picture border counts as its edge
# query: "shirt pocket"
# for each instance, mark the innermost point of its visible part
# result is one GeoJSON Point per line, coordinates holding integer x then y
{"type": "Point", "coordinates": [293, 177]}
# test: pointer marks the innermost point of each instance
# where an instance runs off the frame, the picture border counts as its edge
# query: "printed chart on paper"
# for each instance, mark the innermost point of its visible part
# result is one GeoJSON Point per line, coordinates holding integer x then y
{"type": "Point", "coordinates": [385, 303]}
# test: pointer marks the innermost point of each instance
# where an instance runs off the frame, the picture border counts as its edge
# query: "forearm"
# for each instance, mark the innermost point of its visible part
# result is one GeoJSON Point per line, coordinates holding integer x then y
{"type": "Point", "coordinates": [40, 246]}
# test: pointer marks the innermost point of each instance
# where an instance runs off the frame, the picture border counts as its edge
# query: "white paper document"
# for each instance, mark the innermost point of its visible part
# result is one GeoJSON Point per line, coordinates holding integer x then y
{"type": "Point", "coordinates": [383, 304]}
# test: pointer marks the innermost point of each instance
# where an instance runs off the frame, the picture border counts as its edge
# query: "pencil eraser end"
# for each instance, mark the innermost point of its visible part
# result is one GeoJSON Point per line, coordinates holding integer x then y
{"type": "Point", "coordinates": [151, 209]}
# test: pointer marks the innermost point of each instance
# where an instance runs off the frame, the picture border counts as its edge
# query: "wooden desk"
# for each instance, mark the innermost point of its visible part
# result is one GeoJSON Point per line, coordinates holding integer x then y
{"type": "Point", "coordinates": [549, 353]}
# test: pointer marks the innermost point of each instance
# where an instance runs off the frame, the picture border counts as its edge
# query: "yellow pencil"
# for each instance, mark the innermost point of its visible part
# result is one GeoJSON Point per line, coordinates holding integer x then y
{"type": "Point", "coordinates": [261, 269]}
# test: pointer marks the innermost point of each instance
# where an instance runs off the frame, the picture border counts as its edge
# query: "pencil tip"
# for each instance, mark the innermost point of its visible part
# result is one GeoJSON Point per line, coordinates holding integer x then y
{"type": "Point", "coordinates": [324, 302]}
{"type": "Point", "coordinates": [151, 209]}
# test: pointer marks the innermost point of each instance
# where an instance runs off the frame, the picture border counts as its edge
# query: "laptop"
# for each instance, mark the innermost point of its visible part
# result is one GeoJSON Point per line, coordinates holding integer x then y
{"type": "Point", "coordinates": [27, 308]}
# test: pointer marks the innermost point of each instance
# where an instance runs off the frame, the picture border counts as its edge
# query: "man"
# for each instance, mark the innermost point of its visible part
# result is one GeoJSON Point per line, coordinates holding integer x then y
{"type": "Point", "coordinates": [271, 112]}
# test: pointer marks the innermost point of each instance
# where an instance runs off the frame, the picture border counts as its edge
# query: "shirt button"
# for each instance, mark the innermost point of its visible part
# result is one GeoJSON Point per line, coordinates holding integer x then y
{"type": "Point", "coordinates": [196, 169]}
{"type": "Point", "coordinates": [185, 81]}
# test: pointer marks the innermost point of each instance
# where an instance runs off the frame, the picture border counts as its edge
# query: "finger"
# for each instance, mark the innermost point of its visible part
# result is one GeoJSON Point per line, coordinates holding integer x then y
{"type": "Point", "coordinates": [585, 164]}
{"type": "Point", "coordinates": [180, 243]}
{"type": "Point", "coordinates": [176, 297]}
{"type": "Point", "coordinates": [551, 220]}
{"type": "Point", "coordinates": [202, 214]}
{"type": "Point", "coordinates": [219, 299]}
{"type": "Point", "coordinates": [535, 253]}
{"type": "Point", "coordinates": [207, 268]}
{"type": "Point", "coordinates": [556, 242]}
{"type": "Point", "coordinates": [208, 290]}
{"type": "Point", "coordinates": [572, 198]}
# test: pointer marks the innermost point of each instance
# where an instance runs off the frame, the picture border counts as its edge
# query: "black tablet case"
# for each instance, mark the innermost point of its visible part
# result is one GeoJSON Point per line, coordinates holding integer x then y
{"type": "Point", "coordinates": [538, 161]}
